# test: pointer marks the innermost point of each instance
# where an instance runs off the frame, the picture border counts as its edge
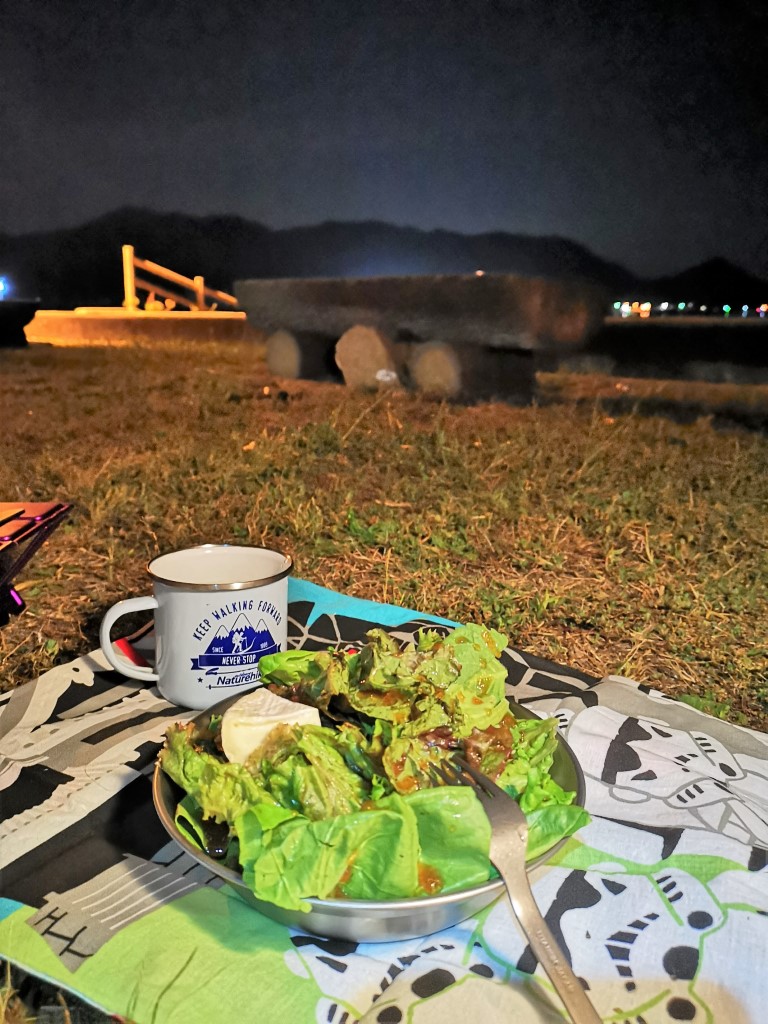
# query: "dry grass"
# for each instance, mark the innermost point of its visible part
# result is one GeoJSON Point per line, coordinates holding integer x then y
{"type": "Point", "coordinates": [12, 1008]}
{"type": "Point", "coordinates": [25, 999]}
{"type": "Point", "coordinates": [613, 543]}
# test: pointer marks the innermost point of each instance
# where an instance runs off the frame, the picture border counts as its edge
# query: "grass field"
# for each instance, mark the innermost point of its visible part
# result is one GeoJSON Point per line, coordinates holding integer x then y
{"type": "Point", "coordinates": [611, 541]}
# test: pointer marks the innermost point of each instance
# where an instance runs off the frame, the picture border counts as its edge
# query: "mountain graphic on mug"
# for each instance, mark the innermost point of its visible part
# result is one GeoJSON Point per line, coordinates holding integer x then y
{"type": "Point", "coordinates": [242, 639]}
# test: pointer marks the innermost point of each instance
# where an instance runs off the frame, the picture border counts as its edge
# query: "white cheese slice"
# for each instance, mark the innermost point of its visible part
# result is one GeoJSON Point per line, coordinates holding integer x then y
{"type": "Point", "coordinates": [249, 721]}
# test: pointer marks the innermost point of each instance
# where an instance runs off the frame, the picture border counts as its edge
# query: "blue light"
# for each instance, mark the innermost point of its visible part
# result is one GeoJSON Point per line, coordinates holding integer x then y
{"type": "Point", "coordinates": [3, 287]}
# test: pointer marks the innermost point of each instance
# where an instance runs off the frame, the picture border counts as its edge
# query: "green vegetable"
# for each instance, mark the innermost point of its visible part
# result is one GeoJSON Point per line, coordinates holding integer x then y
{"type": "Point", "coordinates": [352, 811]}
{"type": "Point", "coordinates": [222, 790]}
{"type": "Point", "coordinates": [363, 855]}
{"type": "Point", "coordinates": [547, 825]}
{"type": "Point", "coordinates": [433, 840]}
{"type": "Point", "coordinates": [304, 769]}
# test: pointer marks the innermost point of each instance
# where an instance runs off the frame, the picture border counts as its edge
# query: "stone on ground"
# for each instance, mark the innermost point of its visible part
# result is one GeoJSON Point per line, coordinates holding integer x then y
{"type": "Point", "coordinates": [366, 358]}
{"type": "Point", "coordinates": [300, 354]}
{"type": "Point", "coordinates": [435, 369]}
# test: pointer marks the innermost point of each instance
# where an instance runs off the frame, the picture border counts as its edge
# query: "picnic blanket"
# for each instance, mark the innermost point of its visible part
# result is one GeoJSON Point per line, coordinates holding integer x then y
{"type": "Point", "coordinates": [661, 902]}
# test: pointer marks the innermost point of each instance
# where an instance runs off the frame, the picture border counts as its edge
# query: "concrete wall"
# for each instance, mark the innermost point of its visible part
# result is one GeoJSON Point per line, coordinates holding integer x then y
{"type": "Point", "coordinates": [497, 310]}
{"type": "Point", "coordinates": [113, 326]}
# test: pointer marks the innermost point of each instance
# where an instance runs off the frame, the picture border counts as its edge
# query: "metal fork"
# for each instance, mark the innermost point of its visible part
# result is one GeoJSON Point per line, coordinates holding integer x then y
{"type": "Point", "coordinates": [509, 835]}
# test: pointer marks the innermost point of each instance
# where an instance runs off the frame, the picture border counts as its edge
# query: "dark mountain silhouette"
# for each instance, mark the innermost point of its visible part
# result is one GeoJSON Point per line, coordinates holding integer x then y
{"type": "Point", "coordinates": [374, 248]}
{"type": "Point", "coordinates": [715, 282]}
{"type": "Point", "coordinates": [709, 348]}
{"type": "Point", "coordinates": [82, 265]}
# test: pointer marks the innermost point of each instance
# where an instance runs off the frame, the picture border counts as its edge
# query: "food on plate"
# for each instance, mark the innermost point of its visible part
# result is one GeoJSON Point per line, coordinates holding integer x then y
{"type": "Point", "coordinates": [245, 725]}
{"type": "Point", "coordinates": [349, 808]}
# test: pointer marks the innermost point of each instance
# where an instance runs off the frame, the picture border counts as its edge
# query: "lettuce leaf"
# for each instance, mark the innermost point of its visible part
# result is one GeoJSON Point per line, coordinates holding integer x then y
{"type": "Point", "coordinates": [455, 680]}
{"type": "Point", "coordinates": [526, 776]}
{"type": "Point", "coordinates": [407, 760]}
{"type": "Point", "coordinates": [547, 825]}
{"type": "Point", "coordinates": [223, 790]}
{"type": "Point", "coordinates": [304, 770]}
{"type": "Point", "coordinates": [366, 855]}
{"type": "Point", "coordinates": [310, 677]}
{"type": "Point", "coordinates": [435, 840]}
{"type": "Point", "coordinates": [454, 838]}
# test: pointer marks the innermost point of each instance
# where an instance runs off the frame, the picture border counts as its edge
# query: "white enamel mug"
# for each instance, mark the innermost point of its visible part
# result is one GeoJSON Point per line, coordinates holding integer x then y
{"type": "Point", "coordinates": [218, 608]}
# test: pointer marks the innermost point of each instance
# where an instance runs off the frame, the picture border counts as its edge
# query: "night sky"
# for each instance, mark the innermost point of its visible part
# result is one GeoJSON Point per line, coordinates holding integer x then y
{"type": "Point", "coordinates": [639, 132]}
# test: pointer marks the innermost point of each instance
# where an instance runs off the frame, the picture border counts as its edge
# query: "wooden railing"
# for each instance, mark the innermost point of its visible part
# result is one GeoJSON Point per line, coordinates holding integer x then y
{"type": "Point", "coordinates": [196, 285]}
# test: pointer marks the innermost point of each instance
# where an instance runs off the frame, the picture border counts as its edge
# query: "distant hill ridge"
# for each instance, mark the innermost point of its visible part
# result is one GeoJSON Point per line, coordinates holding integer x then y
{"type": "Point", "coordinates": [715, 281]}
{"type": "Point", "coordinates": [82, 266]}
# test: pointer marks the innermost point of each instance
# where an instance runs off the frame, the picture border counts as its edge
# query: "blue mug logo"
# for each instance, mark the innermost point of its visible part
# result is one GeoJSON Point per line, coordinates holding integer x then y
{"type": "Point", "coordinates": [235, 649]}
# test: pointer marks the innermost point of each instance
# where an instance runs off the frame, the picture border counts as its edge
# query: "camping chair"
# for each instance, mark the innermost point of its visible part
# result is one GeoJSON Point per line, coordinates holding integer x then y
{"type": "Point", "coordinates": [24, 527]}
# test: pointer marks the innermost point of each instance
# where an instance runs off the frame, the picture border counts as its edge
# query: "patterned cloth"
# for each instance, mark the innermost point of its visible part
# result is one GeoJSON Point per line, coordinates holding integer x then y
{"type": "Point", "coordinates": [661, 903]}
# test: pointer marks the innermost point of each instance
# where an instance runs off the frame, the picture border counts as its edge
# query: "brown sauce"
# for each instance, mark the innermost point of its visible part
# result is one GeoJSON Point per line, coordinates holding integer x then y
{"type": "Point", "coordinates": [430, 879]}
{"type": "Point", "coordinates": [338, 892]}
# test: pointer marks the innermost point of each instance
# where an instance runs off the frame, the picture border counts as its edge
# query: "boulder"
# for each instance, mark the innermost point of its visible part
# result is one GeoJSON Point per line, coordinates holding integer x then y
{"type": "Point", "coordinates": [468, 372]}
{"type": "Point", "coordinates": [305, 355]}
{"type": "Point", "coordinates": [367, 359]}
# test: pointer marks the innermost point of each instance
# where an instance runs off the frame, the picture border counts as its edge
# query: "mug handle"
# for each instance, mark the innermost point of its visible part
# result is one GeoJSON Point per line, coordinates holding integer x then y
{"type": "Point", "coordinates": [132, 604]}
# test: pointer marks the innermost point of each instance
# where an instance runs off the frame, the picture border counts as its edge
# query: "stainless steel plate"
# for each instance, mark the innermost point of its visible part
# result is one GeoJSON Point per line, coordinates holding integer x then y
{"type": "Point", "coordinates": [364, 920]}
